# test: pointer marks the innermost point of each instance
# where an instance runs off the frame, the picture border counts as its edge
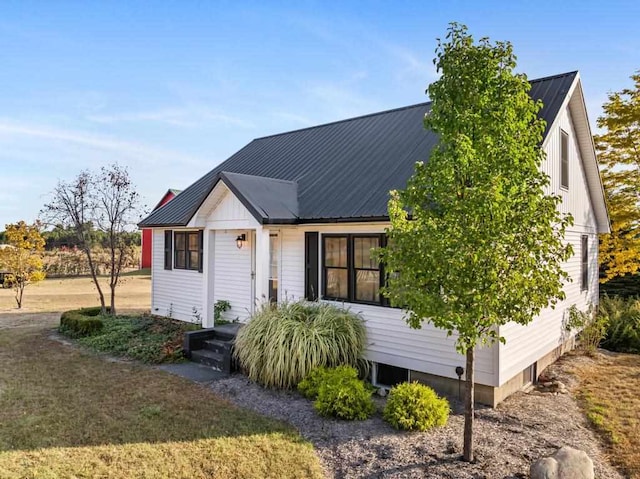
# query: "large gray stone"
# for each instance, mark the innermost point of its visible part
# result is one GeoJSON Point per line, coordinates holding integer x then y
{"type": "Point", "coordinates": [565, 463]}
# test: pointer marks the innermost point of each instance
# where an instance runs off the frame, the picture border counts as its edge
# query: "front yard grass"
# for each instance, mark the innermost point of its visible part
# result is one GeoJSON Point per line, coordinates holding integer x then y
{"type": "Point", "coordinates": [68, 413]}
{"type": "Point", "coordinates": [610, 396]}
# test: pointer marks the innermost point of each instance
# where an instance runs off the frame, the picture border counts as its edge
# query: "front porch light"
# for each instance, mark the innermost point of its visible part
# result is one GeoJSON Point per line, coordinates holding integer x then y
{"type": "Point", "coordinates": [240, 240]}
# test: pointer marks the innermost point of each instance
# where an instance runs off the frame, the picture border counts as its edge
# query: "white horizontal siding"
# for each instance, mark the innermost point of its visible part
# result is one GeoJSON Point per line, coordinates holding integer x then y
{"type": "Point", "coordinates": [232, 273]}
{"type": "Point", "coordinates": [525, 345]}
{"type": "Point", "coordinates": [389, 339]}
{"type": "Point", "coordinates": [175, 293]}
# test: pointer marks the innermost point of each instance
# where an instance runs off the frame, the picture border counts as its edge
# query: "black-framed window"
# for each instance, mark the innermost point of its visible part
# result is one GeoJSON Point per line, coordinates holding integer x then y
{"type": "Point", "coordinates": [584, 270]}
{"type": "Point", "coordinates": [168, 249]}
{"type": "Point", "coordinates": [187, 252]}
{"type": "Point", "coordinates": [564, 159]}
{"type": "Point", "coordinates": [348, 270]}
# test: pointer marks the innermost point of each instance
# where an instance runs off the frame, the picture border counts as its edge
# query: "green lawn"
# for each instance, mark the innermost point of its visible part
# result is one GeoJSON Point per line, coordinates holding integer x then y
{"type": "Point", "coordinates": [68, 413]}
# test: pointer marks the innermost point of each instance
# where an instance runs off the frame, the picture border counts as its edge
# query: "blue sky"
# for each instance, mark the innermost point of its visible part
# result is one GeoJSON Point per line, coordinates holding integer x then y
{"type": "Point", "coordinates": [170, 89]}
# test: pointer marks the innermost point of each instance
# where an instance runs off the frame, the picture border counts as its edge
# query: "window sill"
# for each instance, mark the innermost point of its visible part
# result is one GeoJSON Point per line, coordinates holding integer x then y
{"type": "Point", "coordinates": [365, 303]}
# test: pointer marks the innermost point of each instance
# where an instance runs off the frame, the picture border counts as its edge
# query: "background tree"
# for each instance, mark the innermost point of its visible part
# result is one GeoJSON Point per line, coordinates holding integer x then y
{"type": "Point", "coordinates": [619, 154]}
{"type": "Point", "coordinates": [474, 241]}
{"type": "Point", "coordinates": [23, 257]}
{"type": "Point", "coordinates": [73, 206]}
{"type": "Point", "coordinates": [118, 207]}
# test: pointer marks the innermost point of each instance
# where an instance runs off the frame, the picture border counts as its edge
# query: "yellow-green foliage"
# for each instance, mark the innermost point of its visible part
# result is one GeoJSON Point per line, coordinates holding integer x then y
{"type": "Point", "coordinates": [281, 345]}
{"type": "Point", "coordinates": [342, 395]}
{"type": "Point", "coordinates": [415, 407]}
{"type": "Point", "coordinates": [23, 257]}
{"type": "Point", "coordinates": [619, 154]}
{"type": "Point", "coordinates": [310, 386]}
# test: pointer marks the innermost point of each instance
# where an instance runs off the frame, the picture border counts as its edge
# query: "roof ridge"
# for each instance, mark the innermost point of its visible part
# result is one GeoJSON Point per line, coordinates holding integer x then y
{"type": "Point", "coordinates": [344, 120]}
{"type": "Point", "coordinates": [553, 77]}
{"type": "Point", "coordinates": [227, 173]}
{"type": "Point", "coordinates": [360, 117]}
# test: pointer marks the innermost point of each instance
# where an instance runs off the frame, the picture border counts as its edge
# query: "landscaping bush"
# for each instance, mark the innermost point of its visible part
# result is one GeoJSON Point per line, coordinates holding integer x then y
{"type": "Point", "coordinates": [310, 386]}
{"type": "Point", "coordinates": [415, 407]}
{"type": "Point", "coordinates": [623, 323]}
{"type": "Point", "coordinates": [145, 338]}
{"type": "Point", "coordinates": [281, 345]}
{"type": "Point", "coordinates": [342, 395]}
{"type": "Point", "coordinates": [592, 326]}
{"type": "Point", "coordinates": [77, 324]}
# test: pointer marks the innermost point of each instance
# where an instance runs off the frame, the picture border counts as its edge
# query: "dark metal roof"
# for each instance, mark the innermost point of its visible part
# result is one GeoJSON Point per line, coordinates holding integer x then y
{"type": "Point", "coordinates": [340, 171]}
{"type": "Point", "coordinates": [268, 199]}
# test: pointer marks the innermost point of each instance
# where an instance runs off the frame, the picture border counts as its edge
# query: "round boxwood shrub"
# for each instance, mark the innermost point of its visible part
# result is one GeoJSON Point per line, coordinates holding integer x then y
{"type": "Point", "coordinates": [282, 344]}
{"type": "Point", "coordinates": [342, 395]}
{"type": "Point", "coordinates": [309, 387]}
{"type": "Point", "coordinates": [415, 407]}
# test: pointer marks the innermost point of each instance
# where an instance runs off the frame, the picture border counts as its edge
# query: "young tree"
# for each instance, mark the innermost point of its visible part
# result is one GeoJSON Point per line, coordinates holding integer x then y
{"type": "Point", "coordinates": [118, 207]}
{"type": "Point", "coordinates": [619, 154]}
{"type": "Point", "coordinates": [23, 257]}
{"type": "Point", "coordinates": [474, 241]}
{"type": "Point", "coordinates": [73, 206]}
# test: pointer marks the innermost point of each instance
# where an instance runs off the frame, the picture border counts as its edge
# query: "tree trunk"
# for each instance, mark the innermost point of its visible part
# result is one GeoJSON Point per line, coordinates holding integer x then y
{"type": "Point", "coordinates": [19, 292]}
{"type": "Point", "coordinates": [92, 269]}
{"type": "Point", "coordinates": [468, 408]}
{"type": "Point", "coordinates": [113, 300]}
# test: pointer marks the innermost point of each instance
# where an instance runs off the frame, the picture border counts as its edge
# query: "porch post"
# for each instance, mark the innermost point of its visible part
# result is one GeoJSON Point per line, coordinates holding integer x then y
{"type": "Point", "coordinates": [207, 278]}
{"type": "Point", "coordinates": [262, 265]}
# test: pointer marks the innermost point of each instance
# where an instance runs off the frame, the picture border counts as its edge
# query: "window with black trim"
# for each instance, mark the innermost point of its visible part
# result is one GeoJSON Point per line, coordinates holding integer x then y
{"type": "Point", "coordinates": [584, 283]}
{"type": "Point", "coordinates": [564, 159]}
{"type": "Point", "coordinates": [349, 271]}
{"type": "Point", "coordinates": [168, 249]}
{"type": "Point", "coordinates": [187, 250]}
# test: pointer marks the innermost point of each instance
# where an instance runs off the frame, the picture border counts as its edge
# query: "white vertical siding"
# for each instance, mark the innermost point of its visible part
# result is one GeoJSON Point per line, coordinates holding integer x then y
{"type": "Point", "coordinates": [232, 273]}
{"type": "Point", "coordinates": [527, 344]}
{"type": "Point", "coordinates": [174, 292]}
{"type": "Point", "coordinates": [390, 339]}
{"type": "Point", "coordinates": [292, 263]}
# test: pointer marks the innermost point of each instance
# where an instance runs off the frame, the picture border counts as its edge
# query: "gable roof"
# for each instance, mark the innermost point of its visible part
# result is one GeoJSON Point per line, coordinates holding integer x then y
{"type": "Point", "coordinates": [340, 171]}
{"type": "Point", "coordinates": [269, 200]}
{"type": "Point", "coordinates": [170, 191]}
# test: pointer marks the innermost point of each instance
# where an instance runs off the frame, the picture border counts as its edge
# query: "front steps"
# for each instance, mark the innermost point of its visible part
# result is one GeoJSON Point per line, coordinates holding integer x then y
{"type": "Point", "coordinates": [212, 346]}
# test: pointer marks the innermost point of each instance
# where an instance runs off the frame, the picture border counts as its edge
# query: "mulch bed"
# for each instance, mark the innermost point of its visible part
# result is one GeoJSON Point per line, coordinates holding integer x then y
{"type": "Point", "coordinates": [508, 438]}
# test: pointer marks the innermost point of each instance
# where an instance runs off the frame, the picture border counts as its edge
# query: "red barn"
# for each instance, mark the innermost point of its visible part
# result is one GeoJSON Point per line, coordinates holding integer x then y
{"type": "Point", "coordinates": [147, 239]}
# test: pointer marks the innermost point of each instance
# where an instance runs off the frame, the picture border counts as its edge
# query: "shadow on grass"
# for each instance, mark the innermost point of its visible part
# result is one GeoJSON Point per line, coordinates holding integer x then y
{"type": "Point", "coordinates": [52, 395]}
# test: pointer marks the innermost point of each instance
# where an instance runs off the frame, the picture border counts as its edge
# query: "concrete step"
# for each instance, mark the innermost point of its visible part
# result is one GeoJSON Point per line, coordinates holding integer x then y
{"type": "Point", "coordinates": [210, 358]}
{"type": "Point", "coordinates": [216, 345]}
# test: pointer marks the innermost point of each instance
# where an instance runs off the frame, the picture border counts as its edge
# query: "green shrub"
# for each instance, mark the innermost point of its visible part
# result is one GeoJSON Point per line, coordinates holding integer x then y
{"type": "Point", "coordinates": [623, 324]}
{"type": "Point", "coordinates": [593, 328]}
{"type": "Point", "coordinates": [145, 338]}
{"type": "Point", "coordinates": [342, 395]}
{"type": "Point", "coordinates": [281, 345]}
{"type": "Point", "coordinates": [310, 386]}
{"type": "Point", "coordinates": [415, 407]}
{"type": "Point", "coordinates": [77, 325]}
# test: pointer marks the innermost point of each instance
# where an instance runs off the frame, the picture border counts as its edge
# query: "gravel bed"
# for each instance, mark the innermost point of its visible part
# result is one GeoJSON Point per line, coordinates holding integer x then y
{"type": "Point", "coordinates": [508, 438]}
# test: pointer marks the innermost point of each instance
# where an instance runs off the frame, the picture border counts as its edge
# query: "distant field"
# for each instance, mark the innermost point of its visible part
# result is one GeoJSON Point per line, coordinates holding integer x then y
{"type": "Point", "coordinates": [61, 294]}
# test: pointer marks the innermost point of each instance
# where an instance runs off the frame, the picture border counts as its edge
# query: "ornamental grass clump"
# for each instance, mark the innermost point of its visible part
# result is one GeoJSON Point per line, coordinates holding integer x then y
{"type": "Point", "coordinates": [415, 407]}
{"type": "Point", "coordinates": [282, 344]}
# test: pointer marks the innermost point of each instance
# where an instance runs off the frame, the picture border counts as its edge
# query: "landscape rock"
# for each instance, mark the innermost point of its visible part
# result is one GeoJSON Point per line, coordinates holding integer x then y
{"type": "Point", "coordinates": [566, 463]}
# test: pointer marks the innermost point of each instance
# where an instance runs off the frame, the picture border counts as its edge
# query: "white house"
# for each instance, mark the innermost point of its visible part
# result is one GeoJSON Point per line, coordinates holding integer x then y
{"type": "Point", "coordinates": [294, 215]}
